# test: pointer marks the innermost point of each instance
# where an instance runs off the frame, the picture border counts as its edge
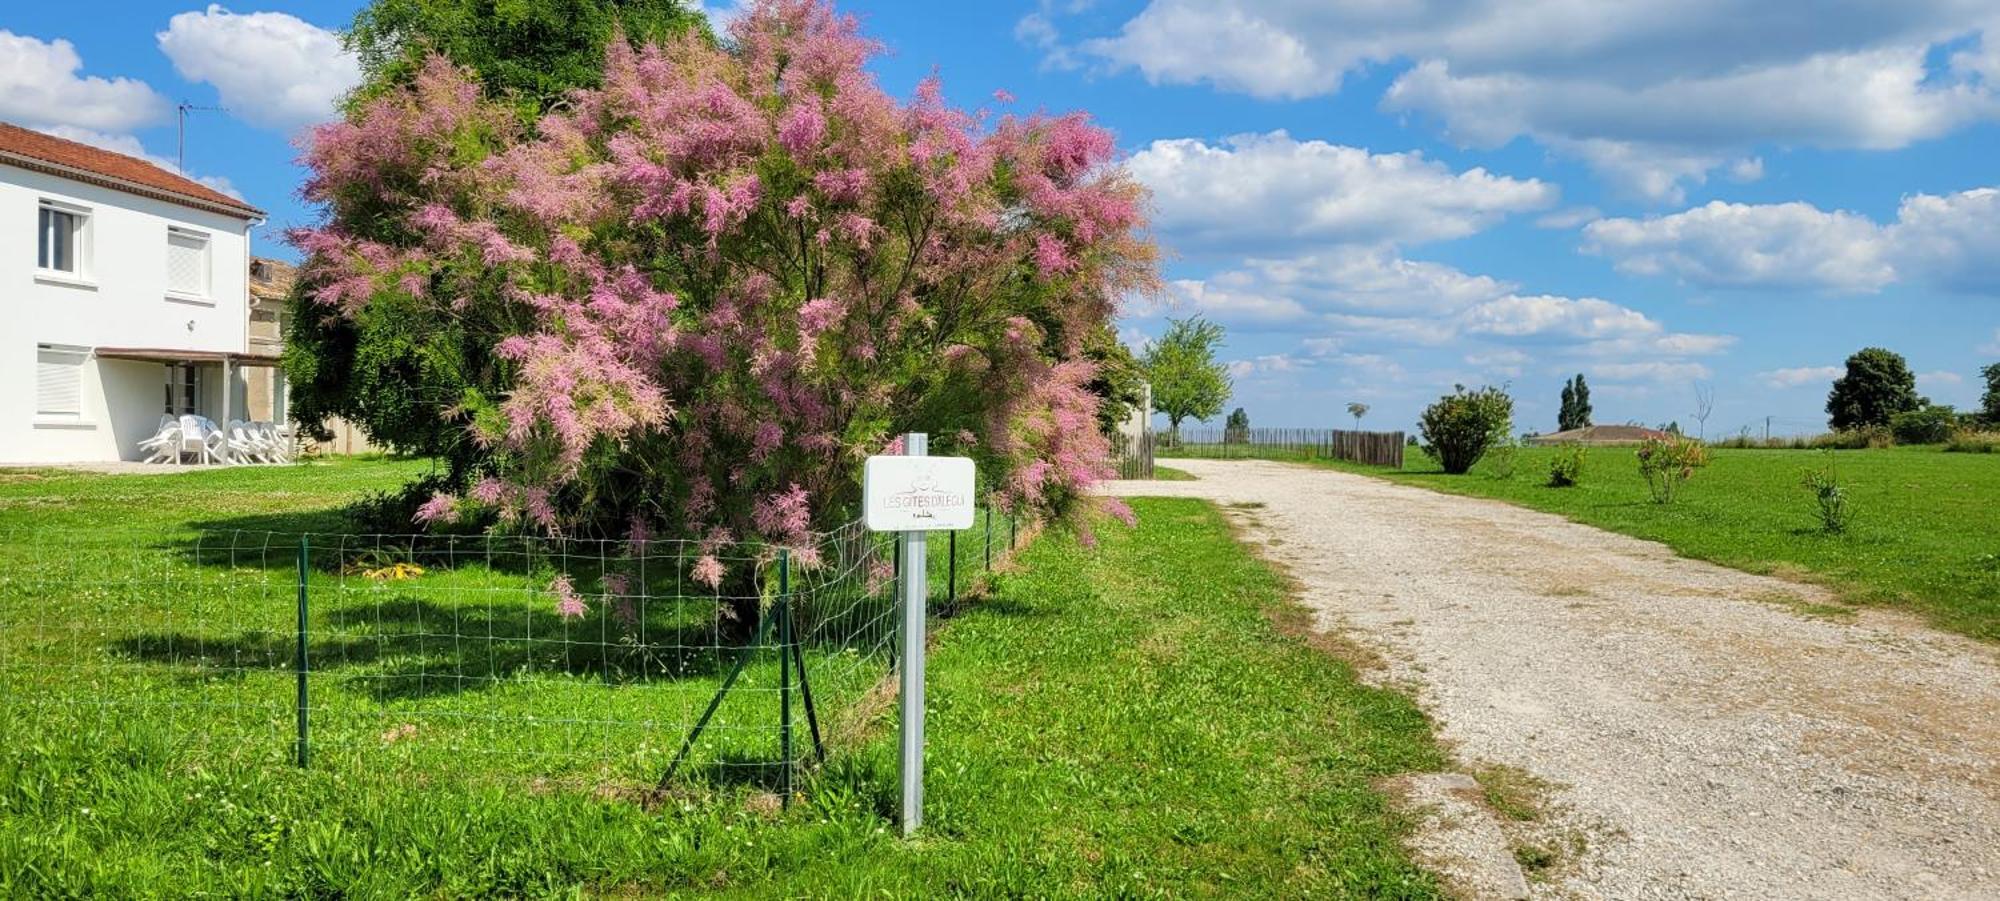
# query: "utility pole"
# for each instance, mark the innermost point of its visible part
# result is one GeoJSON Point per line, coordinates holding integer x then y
{"type": "Point", "coordinates": [180, 148]}
{"type": "Point", "coordinates": [1767, 430]}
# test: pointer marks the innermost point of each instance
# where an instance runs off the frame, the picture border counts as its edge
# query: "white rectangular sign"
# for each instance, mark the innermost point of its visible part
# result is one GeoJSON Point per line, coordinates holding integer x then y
{"type": "Point", "coordinates": [917, 494]}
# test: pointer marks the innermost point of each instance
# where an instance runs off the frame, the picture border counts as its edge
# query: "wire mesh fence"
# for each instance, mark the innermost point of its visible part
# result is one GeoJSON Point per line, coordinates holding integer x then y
{"type": "Point", "coordinates": [1374, 448]}
{"type": "Point", "coordinates": [549, 660]}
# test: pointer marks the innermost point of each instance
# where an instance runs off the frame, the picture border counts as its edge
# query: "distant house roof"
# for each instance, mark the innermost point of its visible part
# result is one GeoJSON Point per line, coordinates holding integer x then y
{"type": "Point", "coordinates": [1600, 434]}
{"type": "Point", "coordinates": [34, 150]}
{"type": "Point", "coordinates": [271, 279]}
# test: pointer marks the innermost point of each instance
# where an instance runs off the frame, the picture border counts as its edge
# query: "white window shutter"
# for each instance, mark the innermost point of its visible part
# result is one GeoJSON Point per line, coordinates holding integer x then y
{"type": "Point", "coordinates": [59, 383]}
{"type": "Point", "coordinates": [187, 263]}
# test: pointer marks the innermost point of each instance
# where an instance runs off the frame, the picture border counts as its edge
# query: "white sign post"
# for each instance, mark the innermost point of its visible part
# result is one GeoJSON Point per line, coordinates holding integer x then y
{"type": "Point", "coordinates": [913, 494]}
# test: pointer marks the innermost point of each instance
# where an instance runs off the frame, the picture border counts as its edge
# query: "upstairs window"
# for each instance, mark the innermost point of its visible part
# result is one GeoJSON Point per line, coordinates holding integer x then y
{"type": "Point", "coordinates": [187, 262]}
{"type": "Point", "coordinates": [59, 239]}
{"type": "Point", "coordinates": [59, 381]}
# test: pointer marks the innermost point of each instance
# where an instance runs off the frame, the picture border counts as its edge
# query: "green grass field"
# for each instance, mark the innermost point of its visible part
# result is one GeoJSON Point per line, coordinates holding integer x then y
{"type": "Point", "coordinates": [1926, 535]}
{"type": "Point", "coordinates": [1134, 719]}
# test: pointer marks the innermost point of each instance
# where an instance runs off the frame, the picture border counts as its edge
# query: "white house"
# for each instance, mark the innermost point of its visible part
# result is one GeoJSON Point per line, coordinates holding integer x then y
{"type": "Point", "coordinates": [126, 296]}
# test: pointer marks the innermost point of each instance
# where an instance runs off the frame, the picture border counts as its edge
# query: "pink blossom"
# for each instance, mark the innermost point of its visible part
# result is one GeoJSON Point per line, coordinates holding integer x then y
{"type": "Point", "coordinates": [569, 604]}
{"type": "Point", "coordinates": [707, 570]}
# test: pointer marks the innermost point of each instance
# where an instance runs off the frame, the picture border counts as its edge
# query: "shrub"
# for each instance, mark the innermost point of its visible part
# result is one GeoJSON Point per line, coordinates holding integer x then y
{"type": "Point", "coordinates": [1566, 470]}
{"type": "Point", "coordinates": [1464, 424]}
{"type": "Point", "coordinates": [1502, 459]}
{"type": "Point", "coordinates": [1966, 441]}
{"type": "Point", "coordinates": [1668, 463]}
{"type": "Point", "coordinates": [1835, 511]}
{"type": "Point", "coordinates": [1854, 439]}
{"type": "Point", "coordinates": [1931, 425]}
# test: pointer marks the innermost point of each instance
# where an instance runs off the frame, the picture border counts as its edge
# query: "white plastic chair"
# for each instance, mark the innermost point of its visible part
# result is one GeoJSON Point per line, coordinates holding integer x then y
{"type": "Point", "coordinates": [200, 437]}
{"type": "Point", "coordinates": [165, 443]}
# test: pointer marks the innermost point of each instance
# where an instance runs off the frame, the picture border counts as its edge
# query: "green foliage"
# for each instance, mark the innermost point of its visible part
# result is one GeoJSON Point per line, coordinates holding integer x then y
{"type": "Point", "coordinates": [1464, 424]}
{"type": "Point", "coordinates": [1989, 400]}
{"type": "Point", "coordinates": [1566, 467]}
{"type": "Point", "coordinates": [1119, 382]}
{"type": "Point", "coordinates": [532, 51]}
{"type": "Point", "coordinates": [1967, 441]}
{"type": "Point", "coordinates": [1830, 499]}
{"type": "Point", "coordinates": [1187, 381]}
{"type": "Point", "coordinates": [1669, 463]}
{"type": "Point", "coordinates": [1575, 410]}
{"type": "Point", "coordinates": [1932, 424]}
{"type": "Point", "coordinates": [1877, 386]}
{"type": "Point", "coordinates": [1236, 429]}
{"type": "Point", "coordinates": [1357, 410]}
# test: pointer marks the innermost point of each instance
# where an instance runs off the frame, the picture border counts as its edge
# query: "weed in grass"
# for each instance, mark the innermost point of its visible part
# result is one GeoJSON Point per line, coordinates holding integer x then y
{"type": "Point", "coordinates": [1836, 511]}
{"type": "Point", "coordinates": [1512, 792]}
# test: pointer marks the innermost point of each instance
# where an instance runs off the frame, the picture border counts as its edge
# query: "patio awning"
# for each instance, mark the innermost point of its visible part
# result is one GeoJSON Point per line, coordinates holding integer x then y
{"type": "Point", "coordinates": [169, 355]}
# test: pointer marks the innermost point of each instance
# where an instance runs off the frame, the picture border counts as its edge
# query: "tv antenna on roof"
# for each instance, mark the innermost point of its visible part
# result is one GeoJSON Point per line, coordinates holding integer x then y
{"type": "Point", "coordinates": [183, 108]}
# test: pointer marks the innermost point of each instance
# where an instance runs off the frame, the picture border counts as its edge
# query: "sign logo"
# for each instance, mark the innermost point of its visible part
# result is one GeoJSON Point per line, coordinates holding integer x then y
{"type": "Point", "coordinates": [916, 494]}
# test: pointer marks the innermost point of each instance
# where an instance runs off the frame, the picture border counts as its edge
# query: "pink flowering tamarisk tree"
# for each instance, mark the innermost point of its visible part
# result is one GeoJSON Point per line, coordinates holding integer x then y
{"type": "Point", "coordinates": [718, 281]}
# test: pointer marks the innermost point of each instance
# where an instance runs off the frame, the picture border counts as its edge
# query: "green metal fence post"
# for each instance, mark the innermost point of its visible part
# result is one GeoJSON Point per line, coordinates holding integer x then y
{"type": "Point", "coordinates": [951, 568]}
{"type": "Point", "coordinates": [1012, 523]}
{"type": "Point", "coordinates": [785, 672]}
{"type": "Point", "coordinates": [989, 539]}
{"type": "Point", "coordinates": [303, 750]}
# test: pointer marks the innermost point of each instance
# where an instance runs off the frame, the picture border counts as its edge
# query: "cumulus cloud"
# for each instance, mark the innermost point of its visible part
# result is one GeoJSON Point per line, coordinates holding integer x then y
{"type": "Point", "coordinates": [41, 86]}
{"type": "Point", "coordinates": [270, 69]}
{"type": "Point", "coordinates": [1951, 241]}
{"type": "Point", "coordinates": [1651, 95]}
{"type": "Point", "coordinates": [1261, 190]}
{"type": "Point", "coordinates": [1796, 376]}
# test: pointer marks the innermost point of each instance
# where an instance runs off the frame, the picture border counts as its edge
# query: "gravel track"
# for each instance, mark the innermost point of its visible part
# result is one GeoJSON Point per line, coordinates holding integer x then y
{"type": "Point", "coordinates": [1701, 734]}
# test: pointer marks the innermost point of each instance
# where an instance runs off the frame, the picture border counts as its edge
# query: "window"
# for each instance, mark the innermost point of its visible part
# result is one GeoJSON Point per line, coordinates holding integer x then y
{"type": "Point", "coordinates": [59, 240]}
{"type": "Point", "coordinates": [187, 262]}
{"type": "Point", "coordinates": [59, 381]}
{"type": "Point", "coordinates": [183, 388]}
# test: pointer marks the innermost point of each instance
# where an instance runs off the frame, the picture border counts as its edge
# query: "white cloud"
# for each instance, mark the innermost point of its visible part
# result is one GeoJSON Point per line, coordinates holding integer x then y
{"type": "Point", "coordinates": [1936, 382]}
{"type": "Point", "coordinates": [1570, 217]}
{"type": "Point", "coordinates": [1651, 95]}
{"type": "Point", "coordinates": [40, 87]}
{"type": "Point", "coordinates": [1586, 318]}
{"type": "Point", "coordinates": [1993, 346]}
{"type": "Point", "coordinates": [1260, 190]}
{"type": "Point", "coordinates": [1797, 376]}
{"type": "Point", "coordinates": [1664, 371]}
{"type": "Point", "coordinates": [1219, 302]}
{"type": "Point", "coordinates": [270, 69]}
{"type": "Point", "coordinates": [1952, 241]}
{"type": "Point", "coordinates": [1741, 245]}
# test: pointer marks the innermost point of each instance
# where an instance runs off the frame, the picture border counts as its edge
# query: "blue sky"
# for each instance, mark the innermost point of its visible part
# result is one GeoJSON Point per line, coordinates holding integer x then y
{"type": "Point", "coordinates": [1378, 200]}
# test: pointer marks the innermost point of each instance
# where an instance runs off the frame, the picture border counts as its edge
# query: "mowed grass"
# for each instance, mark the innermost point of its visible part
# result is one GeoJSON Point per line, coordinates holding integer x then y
{"type": "Point", "coordinates": [1134, 719]}
{"type": "Point", "coordinates": [1925, 537]}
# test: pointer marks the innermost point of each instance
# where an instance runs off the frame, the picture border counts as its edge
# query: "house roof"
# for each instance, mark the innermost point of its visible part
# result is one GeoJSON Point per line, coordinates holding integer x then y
{"type": "Point", "coordinates": [271, 279]}
{"type": "Point", "coordinates": [34, 150]}
{"type": "Point", "coordinates": [1600, 434]}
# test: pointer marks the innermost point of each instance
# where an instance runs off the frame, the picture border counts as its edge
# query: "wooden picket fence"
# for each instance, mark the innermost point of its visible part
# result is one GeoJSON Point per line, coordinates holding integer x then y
{"type": "Point", "coordinates": [1372, 448]}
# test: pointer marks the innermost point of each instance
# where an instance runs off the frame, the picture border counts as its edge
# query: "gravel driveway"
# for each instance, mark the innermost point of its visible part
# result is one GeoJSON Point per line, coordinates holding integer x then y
{"type": "Point", "coordinates": [1703, 733]}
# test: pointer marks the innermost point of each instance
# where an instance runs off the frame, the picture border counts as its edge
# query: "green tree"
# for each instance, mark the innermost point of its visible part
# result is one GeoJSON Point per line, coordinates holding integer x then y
{"type": "Point", "coordinates": [1357, 410]}
{"type": "Point", "coordinates": [1989, 403]}
{"type": "Point", "coordinates": [532, 52]}
{"type": "Point", "coordinates": [1878, 385]}
{"type": "Point", "coordinates": [1120, 383]}
{"type": "Point", "coordinates": [1463, 425]}
{"type": "Point", "coordinates": [1575, 410]}
{"type": "Point", "coordinates": [1188, 383]}
{"type": "Point", "coordinates": [1236, 429]}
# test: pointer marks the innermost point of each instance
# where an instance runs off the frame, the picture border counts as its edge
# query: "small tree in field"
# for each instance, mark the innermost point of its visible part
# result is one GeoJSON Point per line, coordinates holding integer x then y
{"type": "Point", "coordinates": [1357, 410]}
{"type": "Point", "coordinates": [1187, 381]}
{"type": "Point", "coordinates": [1668, 463]}
{"type": "Point", "coordinates": [1464, 424]}
{"type": "Point", "coordinates": [690, 299]}
{"type": "Point", "coordinates": [1878, 385]}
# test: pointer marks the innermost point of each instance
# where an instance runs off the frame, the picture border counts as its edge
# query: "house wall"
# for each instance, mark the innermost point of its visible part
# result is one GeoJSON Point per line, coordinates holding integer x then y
{"type": "Point", "coordinates": [120, 301]}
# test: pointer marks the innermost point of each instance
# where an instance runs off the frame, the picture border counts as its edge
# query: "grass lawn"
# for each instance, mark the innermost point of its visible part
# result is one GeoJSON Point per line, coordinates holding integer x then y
{"type": "Point", "coordinates": [1131, 719]}
{"type": "Point", "coordinates": [1170, 474]}
{"type": "Point", "coordinates": [1926, 535]}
